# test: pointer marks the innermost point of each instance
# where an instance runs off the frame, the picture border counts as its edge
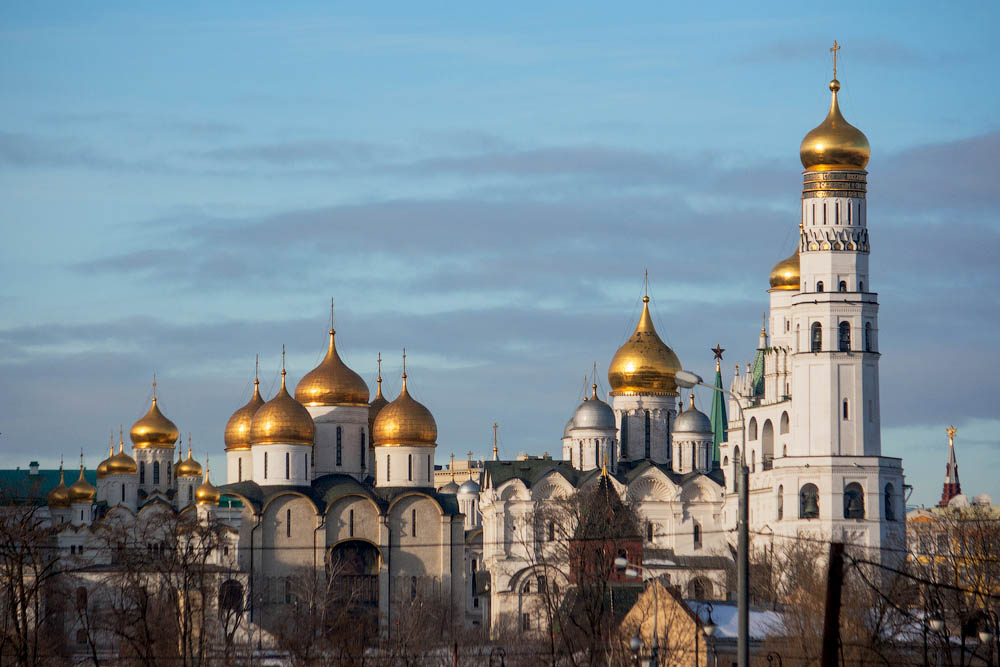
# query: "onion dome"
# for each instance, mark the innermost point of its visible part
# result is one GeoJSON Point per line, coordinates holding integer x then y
{"type": "Point", "coordinates": [644, 364]}
{"type": "Point", "coordinates": [982, 500]}
{"type": "Point", "coordinates": [692, 420]}
{"type": "Point", "coordinates": [569, 427]}
{"type": "Point", "coordinates": [154, 430]}
{"type": "Point", "coordinates": [58, 498]}
{"type": "Point", "coordinates": [835, 144]}
{"type": "Point", "coordinates": [332, 382]}
{"type": "Point", "coordinates": [188, 467]}
{"type": "Point", "coordinates": [237, 434]}
{"type": "Point", "coordinates": [594, 413]}
{"type": "Point", "coordinates": [207, 493]}
{"type": "Point", "coordinates": [81, 491]}
{"type": "Point", "coordinates": [450, 487]}
{"type": "Point", "coordinates": [102, 467]}
{"type": "Point", "coordinates": [282, 420]}
{"type": "Point", "coordinates": [379, 401]}
{"type": "Point", "coordinates": [469, 488]}
{"type": "Point", "coordinates": [121, 463]}
{"type": "Point", "coordinates": [405, 423]}
{"type": "Point", "coordinates": [785, 274]}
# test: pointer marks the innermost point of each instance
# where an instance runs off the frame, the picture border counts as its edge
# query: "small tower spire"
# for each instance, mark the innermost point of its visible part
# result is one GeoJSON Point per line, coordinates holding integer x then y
{"type": "Point", "coordinates": [952, 487]}
{"type": "Point", "coordinates": [496, 451]}
{"type": "Point", "coordinates": [154, 387]}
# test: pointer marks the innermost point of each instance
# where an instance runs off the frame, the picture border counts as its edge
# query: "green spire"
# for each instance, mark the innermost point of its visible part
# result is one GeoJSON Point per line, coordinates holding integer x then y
{"type": "Point", "coordinates": [719, 421]}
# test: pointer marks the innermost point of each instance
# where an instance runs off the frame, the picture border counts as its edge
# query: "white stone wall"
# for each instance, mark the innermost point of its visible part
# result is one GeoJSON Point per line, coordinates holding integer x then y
{"type": "Point", "coordinates": [109, 490]}
{"type": "Point", "coordinates": [355, 439]}
{"type": "Point", "coordinates": [404, 466]}
{"type": "Point", "coordinates": [145, 458]}
{"type": "Point", "coordinates": [270, 467]}
{"type": "Point", "coordinates": [239, 466]}
{"type": "Point", "coordinates": [661, 409]}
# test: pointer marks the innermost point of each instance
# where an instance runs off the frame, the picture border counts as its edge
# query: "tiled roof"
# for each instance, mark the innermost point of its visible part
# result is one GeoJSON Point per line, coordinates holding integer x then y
{"type": "Point", "coordinates": [21, 486]}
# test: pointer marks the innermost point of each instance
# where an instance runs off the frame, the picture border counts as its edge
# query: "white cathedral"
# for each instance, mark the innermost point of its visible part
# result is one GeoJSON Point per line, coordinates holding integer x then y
{"type": "Point", "coordinates": [327, 475]}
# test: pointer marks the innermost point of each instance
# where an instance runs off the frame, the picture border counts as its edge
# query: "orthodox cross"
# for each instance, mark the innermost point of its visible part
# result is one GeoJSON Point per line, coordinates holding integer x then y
{"type": "Point", "coordinates": [154, 386]}
{"type": "Point", "coordinates": [379, 366]}
{"type": "Point", "coordinates": [833, 50]}
{"type": "Point", "coordinates": [331, 313]}
{"type": "Point", "coordinates": [645, 292]}
{"type": "Point", "coordinates": [404, 362]}
{"type": "Point", "coordinates": [496, 456]}
{"type": "Point", "coordinates": [282, 360]}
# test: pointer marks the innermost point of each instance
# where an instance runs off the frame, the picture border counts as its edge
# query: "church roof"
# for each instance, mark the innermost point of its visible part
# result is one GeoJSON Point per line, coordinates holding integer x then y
{"type": "Point", "coordinates": [531, 471]}
{"type": "Point", "coordinates": [22, 486]}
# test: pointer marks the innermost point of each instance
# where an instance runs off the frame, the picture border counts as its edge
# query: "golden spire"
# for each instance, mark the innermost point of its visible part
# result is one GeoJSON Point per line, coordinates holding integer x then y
{"type": "Point", "coordinates": [121, 438]}
{"type": "Point", "coordinates": [951, 431]}
{"type": "Point", "coordinates": [691, 404]}
{"type": "Point", "coordinates": [763, 322]}
{"type": "Point", "coordinates": [604, 466]}
{"type": "Point", "coordinates": [496, 450]}
{"type": "Point", "coordinates": [154, 387]}
{"type": "Point", "coordinates": [378, 380]}
{"type": "Point", "coordinates": [451, 467]}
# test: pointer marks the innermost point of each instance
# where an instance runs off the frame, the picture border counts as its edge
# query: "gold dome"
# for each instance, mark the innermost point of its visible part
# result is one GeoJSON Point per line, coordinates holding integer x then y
{"type": "Point", "coordinates": [237, 435]}
{"type": "Point", "coordinates": [785, 274]}
{"type": "Point", "coordinates": [332, 382]}
{"type": "Point", "coordinates": [835, 144]}
{"type": "Point", "coordinates": [188, 467]}
{"type": "Point", "coordinates": [207, 493]}
{"type": "Point", "coordinates": [121, 463]}
{"type": "Point", "coordinates": [282, 420]}
{"type": "Point", "coordinates": [154, 430]}
{"type": "Point", "coordinates": [102, 467]}
{"type": "Point", "coordinates": [405, 423]}
{"type": "Point", "coordinates": [81, 490]}
{"type": "Point", "coordinates": [378, 402]}
{"type": "Point", "coordinates": [644, 364]}
{"type": "Point", "coordinates": [58, 498]}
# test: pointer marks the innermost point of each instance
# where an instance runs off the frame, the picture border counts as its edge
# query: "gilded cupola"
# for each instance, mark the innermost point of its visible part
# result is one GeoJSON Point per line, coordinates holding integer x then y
{"type": "Point", "coordinates": [405, 422]}
{"type": "Point", "coordinates": [332, 382]}
{"type": "Point", "coordinates": [82, 491]}
{"type": "Point", "coordinates": [58, 498]}
{"type": "Point", "coordinates": [121, 463]}
{"type": "Point", "coordinates": [102, 467]}
{"type": "Point", "coordinates": [785, 274]}
{"type": "Point", "coordinates": [644, 364]}
{"type": "Point", "coordinates": [154, 429]}
{"type": "Point", "coordinates": [282, 420]}
{"type": "Point", "coordinates": [237, 434]}
{"type": "Point", "coordinates": [835, 144]}
{"type": "Point", "coordinates": [207, 493]}
{"type": "Point", "coordinates": [188, 467]}
{"type": "Point", "coordinates": [379, 401]}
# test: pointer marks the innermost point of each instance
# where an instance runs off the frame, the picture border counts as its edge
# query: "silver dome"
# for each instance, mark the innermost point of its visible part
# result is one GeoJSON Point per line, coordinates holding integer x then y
{"type": "Point", "coordinates": [692, 421]}
{"type": "Point", "coordinates": [569, 427]}
{"type": "Point", "coordinates": [594, 414]}
{"type": "Point", "coordinates": [468, 488]}
{"type": "Point", "coordinates": [450, 487]}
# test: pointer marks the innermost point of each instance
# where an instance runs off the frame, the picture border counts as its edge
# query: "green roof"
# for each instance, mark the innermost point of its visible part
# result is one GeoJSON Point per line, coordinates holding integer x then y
{"type": "Point", "coordinates": [20, 485]}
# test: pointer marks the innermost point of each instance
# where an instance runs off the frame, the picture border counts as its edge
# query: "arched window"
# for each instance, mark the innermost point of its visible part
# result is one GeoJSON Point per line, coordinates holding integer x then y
{"type": "Point", "coordinates": [816, 340]}
{"type": "Point", "coordinates": [647, 433]}
{"type": "Point", "coordinates": [890, 509]}
{"type": "Point", "coordinates": [752, 429]}
{"type": "Point", "coordinates": [697, 536]}
{"type": "Point", "coordinates": [597, 453]}
{"type": "Point", "coordinates": [843, 286]}
{"type": "Point", "coordinates": [413, 588]}
{"type": "Point", "coordinates": [736, 456]}
{"type": "Point", "coordinates": [854, 501]}
{"type": "Point", "coordinates": [844, 337]}
{"type": "Point", "coordinates": [869, 343]}
{"type": "Point", "coordinates": [364, 451]}
{"type": "Point", "coordinates": [700, 589]}
{"type": "Point", "coordinates": [552, 531]}
{"type": "Point", "coordinates": [784, 450]}
{"type": "Point", "coordinates": [846, 413]}
{"type": "Point", "coordinates": [767, 443]}
{"type": "Point", "coordinates": [781, 502]}
{"type": "Point", "coordinates": [156, 472]}
{"type": "Point", "coordinates": [409, 467]}
{"type": "Point", "coordinates": [784, 424]}
{"type": "Point", "coordinates": [428, 467]}
{"type": "Point", "coordinates": [753, 460]}
{"type": "Point", "coordinates": [725, 462]}
{"type": "Point", "coordinates": [230, 597]}
{"type": "Point", "coordinates": [288, 465]}
{"type": "Point", "coordinates": [809, 502]}
{"type": "Point", "coordinates": [819, 286]}
{"type": "Point", "coordinates": [239, 470]}
{"type": "Point", "coordinates": [190, 494]}
{"type": "Point", "coordinates": [340, 446]}
{"type": "Point", "coordinates": [142, 472]}
{"type": "Point", "coordinates": [288, 522]}
{"type": "Point", "coordinates": [413, 522]}
{"type": "Point", "coordinates": [861, 286]}
{"type": "Point", "coordinates": [624, 436]}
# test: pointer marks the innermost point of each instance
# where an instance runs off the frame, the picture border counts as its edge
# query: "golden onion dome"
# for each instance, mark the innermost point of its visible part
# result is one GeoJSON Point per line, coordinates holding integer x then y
{"type": "Point", "coordinates": [102, 467]}
{"type": "Point", "coordinates": [644, 364]}
{"type": "Point", "coordinates": [81, 491]}
{"type": "Point", "coordinates": [785, 274]}
{"type": "Point", "coordinates": [121, 463]}
{"type": "Point", "coordinates": [58, 498]}
{"type": "Point", "coordinates": [834, 144]}
{"type": "Point", "coordinates": [405, 423]}
{"type": "Point", "coordinates": [207, 493]}
{"type": "Point", "coordinates": [154, 430]}
{"type": "Point", "coordinates": [282, 420]}
{"type": "Point", "coordinates": [188, 467]}
{"type": "Point", "coordinates": [237, 434]}
{"type": "Point", "coordinates": [332, 382]}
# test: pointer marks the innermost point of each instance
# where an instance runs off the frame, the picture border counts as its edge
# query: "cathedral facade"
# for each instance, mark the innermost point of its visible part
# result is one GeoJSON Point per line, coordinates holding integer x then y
{"type": "Point", "coordinates": [328, 479]}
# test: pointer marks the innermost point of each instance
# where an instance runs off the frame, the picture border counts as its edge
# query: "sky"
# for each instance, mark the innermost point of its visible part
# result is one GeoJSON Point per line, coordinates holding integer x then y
{"type": "Point", "coordinates": [187, 185]}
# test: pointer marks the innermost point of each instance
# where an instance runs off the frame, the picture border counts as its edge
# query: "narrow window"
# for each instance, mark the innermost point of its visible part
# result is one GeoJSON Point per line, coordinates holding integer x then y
{"type": "Point", "coordinates": [854, 501]}
{"type": "Point", "coordinates": [798, 332]}
{"type": "Point", "coordinates": [288, 523]}
{"type": "Point", "coordinates": [409, 467]}
{"type": "Point", "coordinates": [817, 337]}
{"type": "Point", "coordinates": [142, 472]}
{"type": "Point", "coordinates": [824, 214]}
{"type": "Point", "coordinates": [305, 466]}
{"type": "Point", "coordinates": [649, 531]}
{"type": "Point", "coordinates": [819, 286]}
{"type": "Point", "coordinates": [846, 416]}
{"type": "Point", "coordinates": [413, 588]}
{"type": "Point", "coordinates": [844, 337]}
{"type": "Point", "coordinates": [861, 286]}
{"type": "Point", "coordinates": [869, 347]}
{"type": "Point", "coordinates": [413, 523]}
{"type": "Point", "coordinates": [781, 502]}
{"type": "Point", "coordinates": [81, 598]}
{"type": "Point", "coordinates": [579, 456]}
{"type": "Point", "coordinates": [597, 453]}
{"type": "Point", "coordinates": [836, 213]}
{"type": "Point", "coordinates": [525, 621]}
{"type": "Point", "coordinates": [890, 510]}
{"type": "Point", "coordinates": [190, 494]}
{"type": "Point", "coordinates": [388, 467]}
{"type": "Point", "coordinates": [288, 467]}
{"type": "Point", "coordinates": [850, 209]}
{"type": "Point", "coordinates": [265, 465]}
{"type": "Point", "coordinates": [428, 467]}
{"type": "Point", "coordinates": [647, 433]}
{"type": "Point", "coordinates": [239, 470]}
{"type": "Point", "coordinates": [624, 436]}
{"type": "Point", "coordinates": [123, 493]}
{"type": "Point", "coordinates": [350, 523]}
{"type": "Point", "coordinates": [843, 286]}
{"type": "Point", "coordinates": [288, 590]}
{"type": "Point", "coordinates": [552, 531]}
{"type": "Point", "coordinates": [364, 451]}
{"type": "Point", "coordinates": [168, 474]}
{"type": "Point", "coordinates": [697, 536]}
{"type": "Point", "coordinates": [156, 472]}
{"type": "Point", "coordinates": [340, 446]}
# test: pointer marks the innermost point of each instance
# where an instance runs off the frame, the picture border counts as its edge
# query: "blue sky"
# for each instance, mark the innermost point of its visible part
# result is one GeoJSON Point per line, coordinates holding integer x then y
{"type": "Point", "coordinates": [186, 186]}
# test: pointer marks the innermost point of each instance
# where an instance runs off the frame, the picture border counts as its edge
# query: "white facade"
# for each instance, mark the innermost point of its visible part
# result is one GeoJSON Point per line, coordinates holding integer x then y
{"type": "Point", "coordinates": [342, 440]}
{"type": "Point", "coordinates": [405, 466]}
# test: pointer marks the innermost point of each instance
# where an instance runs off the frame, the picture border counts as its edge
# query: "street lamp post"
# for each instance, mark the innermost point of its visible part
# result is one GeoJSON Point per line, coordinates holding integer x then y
{"type": "Point", "coordinates": [631, 570]}
{"type": "Point", "coordinates": [709, 627]}
{"type": "Point", "coordinates": [687, 379]}
{"type": "Point", "coordinates": [988, 635]}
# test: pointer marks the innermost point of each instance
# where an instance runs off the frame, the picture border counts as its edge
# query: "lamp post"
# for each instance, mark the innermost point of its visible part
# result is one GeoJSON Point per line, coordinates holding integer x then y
{"type": "Point", "coordinates": [988, 635]}
{"type": "Point", "coordinates": [631, 570]}
{"type": "Point", "coordinates": [709, 627]}
{"type": "Point", "coordinates": [936, 623]}
{"type": "Point", "coordinates": [686, 380]}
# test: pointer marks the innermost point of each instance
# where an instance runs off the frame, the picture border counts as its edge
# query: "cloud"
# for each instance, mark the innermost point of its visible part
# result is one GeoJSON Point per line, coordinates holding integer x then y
{"type": "Point", "coordinates": [294, 153]}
